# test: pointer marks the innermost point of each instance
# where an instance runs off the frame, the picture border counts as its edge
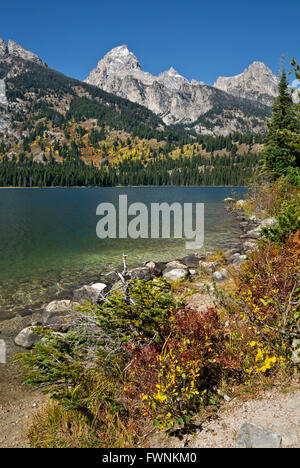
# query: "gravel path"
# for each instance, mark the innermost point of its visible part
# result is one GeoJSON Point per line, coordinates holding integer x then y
{"type": "Point", "coordinates": [274, 410]}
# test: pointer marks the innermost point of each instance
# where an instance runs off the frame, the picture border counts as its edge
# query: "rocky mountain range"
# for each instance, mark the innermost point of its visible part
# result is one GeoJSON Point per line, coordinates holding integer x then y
{"type": "Point", "coordinates": [233, 104]}
{"type": "Point", "coordinates": [239, 103]}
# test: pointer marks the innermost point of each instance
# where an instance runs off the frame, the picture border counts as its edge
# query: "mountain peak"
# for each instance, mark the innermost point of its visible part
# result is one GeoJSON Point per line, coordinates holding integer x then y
{"type": "Point", "coordinates": [16, 50]}
{"type": "Point", "coordinates": [257, 82]}
{"type": "Point", "coordinates": [119, 58]}
{"type": "Point", "coordinates": [171, 79]}
{"type": "Point", "coordinates": [19, 51]}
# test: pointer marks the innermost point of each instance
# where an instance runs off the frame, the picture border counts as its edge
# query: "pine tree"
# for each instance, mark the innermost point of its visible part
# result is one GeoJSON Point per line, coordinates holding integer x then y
{"type": "Point", "coordinates": [279, 150]}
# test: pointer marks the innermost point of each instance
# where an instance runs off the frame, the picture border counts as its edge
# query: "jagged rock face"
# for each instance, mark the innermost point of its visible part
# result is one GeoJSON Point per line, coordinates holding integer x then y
{"type": "Point", "coordinates": [257, 82]}
{"type": "Point", "coordinates": [3, 48]}
{"type": "Point", "coordinates": [3, 100]}
{"type": "Point", "coordinates": [169, 95]}
{"type": "Point", "coordinates": [172, 80]}
{"type": "Point", "coordinates": [18, 51]}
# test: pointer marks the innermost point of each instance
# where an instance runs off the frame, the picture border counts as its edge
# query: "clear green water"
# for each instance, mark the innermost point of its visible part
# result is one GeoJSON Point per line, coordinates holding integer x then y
{"type": "Point", "coordinates": [48, 242]}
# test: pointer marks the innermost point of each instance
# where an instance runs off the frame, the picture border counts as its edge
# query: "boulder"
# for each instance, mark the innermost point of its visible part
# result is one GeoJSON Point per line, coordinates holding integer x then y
{"type": "Point", "coordinates": [240, 203]}
{"type": "Point", "coordinates": [239, 259]}
{"type": "Point", "coordinates": [229, 200]}
{"type": "Point", "coordinates": [58, 315]}
{"type": "Point", "coordinates": [27, 338]}
{"type": "Point", "coordinates": [254, 219]}
{"type": "Point", "coordinates": [220, 275]}
{"type": "Point", "coordinates": [156, 268]}
{"type": "Point", "coordinates": [89, 293]}
{"type": "Point", "coordinates": [191, 261]}
{"type": "Point", "coordinates": [176, 264]}
{"type": "Point", "coordinates": [254, 436]}
{"type": "Point", "coordinates": [175, 274]}
{"type": "Point", "coordinates": [140, 273]}
{"type": "Point", "coordinates": [296, 352]}
{"type": "Point", "coordinates": [253, 234]}
{"type": "Point", "coordinates": [268, 222]}
{"type": "Point", "coordinates": [208, 267]}
{"type": "Point", "coordinates": [250, 246]}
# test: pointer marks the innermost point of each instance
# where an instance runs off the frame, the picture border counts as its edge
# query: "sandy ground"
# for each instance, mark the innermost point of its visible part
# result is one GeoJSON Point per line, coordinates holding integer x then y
{"type": "Point", "coordinates": [18, 402]}
{"type": "Point", "coordinates": [274, 410]}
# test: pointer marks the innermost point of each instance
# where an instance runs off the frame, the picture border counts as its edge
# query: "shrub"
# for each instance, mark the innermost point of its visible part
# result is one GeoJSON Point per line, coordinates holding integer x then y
{"type": "Point", "coordinates": [175, 379]}
{"type": "Point", "coordinates": [267, 298]}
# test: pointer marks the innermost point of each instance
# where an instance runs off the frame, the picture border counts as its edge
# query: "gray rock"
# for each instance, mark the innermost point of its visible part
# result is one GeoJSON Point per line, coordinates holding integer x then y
{"type": "Point", "coordinates": [140, 273]}
{"type": "Point", "coordinates": [229, 200]}
{"type": "Point", "coordinates": [176, 264]}
{"type": "Point", "coordinates": [254, 219]}
{"type": "Point", "coordinates": [240, 203]}
{"type": "Point", "coordinates": [58, 315]}
{"type": "Point", "coordinates": [268, 222]}
{"type": "Point", "coordinates": [254, 436]}
{"type": "Point", "coordinates": [296, 352]}
{"type": "Point", "coordinates": [89, 293]}
{"type": "Point", "coordinates": [27, 338]}
{"type": "Point", "coordinates": [253, 234]}
{"type": "Point", "coordinates": [239, 259]}
{"type": "Point", "coordinates": [191, 261]}
{"type": "Point", "coordinates": [175, 274]}
{"type": "Point", "coordinates": [250, 246]}
{"type": "Point", "coordinates": [220, 275]}
{"type": "Point", "coordinates": [156, 268]}
{"type": "Point", "coordinates": [208, 267]}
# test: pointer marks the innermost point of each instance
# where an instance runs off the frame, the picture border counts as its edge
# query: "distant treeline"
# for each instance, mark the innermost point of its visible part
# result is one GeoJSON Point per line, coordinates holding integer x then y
{"type": "Point", "coordinates": [196, 170]}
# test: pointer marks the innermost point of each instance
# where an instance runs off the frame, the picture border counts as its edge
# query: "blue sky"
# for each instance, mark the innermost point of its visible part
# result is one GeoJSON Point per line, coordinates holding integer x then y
{"type": "Point", "coordinates": [201, 40]}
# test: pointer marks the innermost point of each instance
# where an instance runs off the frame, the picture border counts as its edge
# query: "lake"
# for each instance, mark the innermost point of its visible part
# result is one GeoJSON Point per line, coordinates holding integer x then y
{"type": "Point", "coordinates": [48, 242]}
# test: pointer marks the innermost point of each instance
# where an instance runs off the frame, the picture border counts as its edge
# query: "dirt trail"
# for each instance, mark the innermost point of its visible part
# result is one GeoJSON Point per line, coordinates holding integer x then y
{"type": "Point", "coordinates": [274, 410]}
{"type": "Point", "coordinates": [18, 402]}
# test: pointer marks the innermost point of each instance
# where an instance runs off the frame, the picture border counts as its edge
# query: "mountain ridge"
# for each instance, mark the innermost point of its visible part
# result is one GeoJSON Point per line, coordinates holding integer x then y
{"type": "Point", "coordinates": [176, 100]}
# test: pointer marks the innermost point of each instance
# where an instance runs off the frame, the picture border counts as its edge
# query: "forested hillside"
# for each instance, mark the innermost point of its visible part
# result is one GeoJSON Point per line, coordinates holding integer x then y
{"type": "Point", "coordinates": [64, 132]}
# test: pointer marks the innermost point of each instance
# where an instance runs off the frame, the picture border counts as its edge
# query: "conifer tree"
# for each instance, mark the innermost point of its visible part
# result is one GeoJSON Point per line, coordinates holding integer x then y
{"type": "Point", "coordinates": [280, 153]}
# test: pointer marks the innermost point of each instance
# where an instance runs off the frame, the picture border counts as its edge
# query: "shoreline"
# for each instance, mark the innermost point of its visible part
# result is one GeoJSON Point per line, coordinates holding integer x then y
{"type": "Point", "coordinates": [17, 398]}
